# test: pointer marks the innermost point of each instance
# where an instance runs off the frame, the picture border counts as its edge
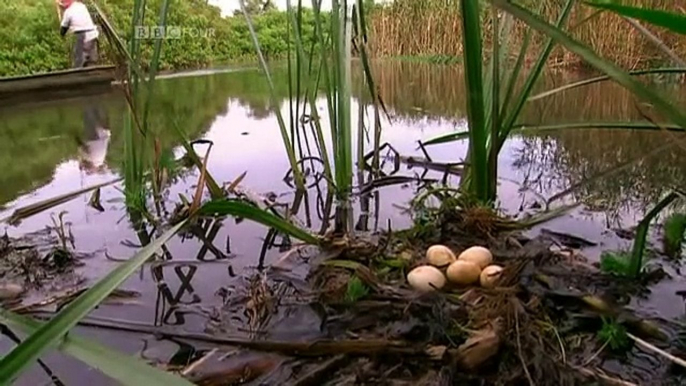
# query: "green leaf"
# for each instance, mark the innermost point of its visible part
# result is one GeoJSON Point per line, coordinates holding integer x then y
{"type": "Point", "coordinates": [50, 333]}
{"type": "Point", "coordinates": [531, 80]}
{"type": "Point", "coordinates": [123, 368]}
{"type": "Point", "coordinates": [239, 208]}
{"type": "Point", "coordinates": [526, 128]}
{"type": "Point", "coordinates": [290, 151]}
{"type": "Point", "coordinates": [615, 72]}
{"type": "Point", "coordinates": [670, 20]}
{"type": "Point", "coordinates": [641, 237]}
{"type": "Point", "coordinates": [445, 138]}
{"type": "Point", "coordinates": [478, 132]}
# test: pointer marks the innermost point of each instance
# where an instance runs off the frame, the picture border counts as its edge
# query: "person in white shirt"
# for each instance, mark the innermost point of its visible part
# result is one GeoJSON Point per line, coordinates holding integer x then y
{"type": "Point", "coordinates": [77, 19]}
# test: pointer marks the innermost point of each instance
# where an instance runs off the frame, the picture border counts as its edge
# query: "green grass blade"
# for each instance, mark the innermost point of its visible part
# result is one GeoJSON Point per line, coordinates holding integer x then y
{"type": "Point", "coordinates": [297, 173]}
{"type": "Point", "coordinates": [215, 190]}
{"type": "Point", "coordinates": [496, 57]}
{"type": "Point", "coordinates": [642, 91]}
{"type": "Point", "coordinates": [471, 38]}
{"type": "Point", "coordinates": [525, 128]}
{"type": "Point", "coordinates": [445, 138]}
{"type": "Point", "coordinates": [533, 77]}
{"type": "Point", "coordinates": [50, 333]}
{"type": "Point", "coordinates": [669, 20]}
{"type": "Point", "coordinates": [319, 137]}
{"type": "Point", "coordinates": [514, 76]}
{"type": "Point", "coordinates": [597, 79]}
{"type": "Point", "coordinates": [121, 367]}
{"type": "Point", "coordinates": [642, 233]}
{"type": "Point", "coordinates": [325, 69]}
{"type": "Point", "coordinates": [535, 129]}
{"type": "Point", "coordinates": [239, 208]}
{"type": "Point", "coordinates": [344, 169]}
{"type": "Point", "coordinates": [154, 64]}
{"type": "Point", "coordinates": [27, 211]}
{"type": "Point", "coordinates": [371, 85]}
{"type": "Point", "coordinates": [674, 230]}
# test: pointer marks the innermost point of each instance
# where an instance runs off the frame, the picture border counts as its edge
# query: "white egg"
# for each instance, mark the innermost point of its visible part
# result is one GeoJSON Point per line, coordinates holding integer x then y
{"type": "Point", "coordinates": [490, 276]}
{"type": "Point", "coordinates": [463, 272]}
{"type": "Point", "coordinates": [479, 255]}
{"type": "Point", "coordinates": [439, 255]}
{"type": "Point", "coordinates": [426, 278]}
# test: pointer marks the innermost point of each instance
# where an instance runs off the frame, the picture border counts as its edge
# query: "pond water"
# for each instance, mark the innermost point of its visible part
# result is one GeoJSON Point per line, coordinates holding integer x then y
{"type": "Point", "coordinates": [49, 149]}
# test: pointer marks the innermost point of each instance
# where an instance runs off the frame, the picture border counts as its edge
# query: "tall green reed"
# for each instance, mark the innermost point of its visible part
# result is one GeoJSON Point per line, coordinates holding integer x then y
{"type": "Point", "coordinates": [332, 51]}
{"type": "Point", "coordinates": [495, 101]}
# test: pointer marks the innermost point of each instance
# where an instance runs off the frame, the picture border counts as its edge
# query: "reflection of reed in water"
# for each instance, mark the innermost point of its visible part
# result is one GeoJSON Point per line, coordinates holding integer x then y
{"type": "Point", "coordinates": [565, 159]}
{"type": "Point", "coordinates": [555, 160]}
{"type": "Point", "coordinates": [416, 91]}
{"type": "Point", "coordinates": [96, 137]}
{"type": "Point", "coordinates": [568, 157]}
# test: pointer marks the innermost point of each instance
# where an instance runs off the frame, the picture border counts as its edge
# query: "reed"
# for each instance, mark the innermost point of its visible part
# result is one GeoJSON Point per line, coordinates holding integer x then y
{"type": "Point", "coordinates": [324, 64]}
{"type": "Point", "coordinates": [437, 30]}
{"type": "Point", "coordinates": [53, 333]}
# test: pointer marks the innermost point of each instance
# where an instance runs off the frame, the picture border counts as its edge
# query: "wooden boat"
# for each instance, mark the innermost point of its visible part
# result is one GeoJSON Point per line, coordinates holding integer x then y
{"type": "Point", "coordinates": [56, 84]}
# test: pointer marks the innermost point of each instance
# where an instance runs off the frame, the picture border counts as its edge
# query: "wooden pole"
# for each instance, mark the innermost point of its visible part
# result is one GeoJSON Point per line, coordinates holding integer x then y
{"type": "Point", "coordinates": [58, 9]}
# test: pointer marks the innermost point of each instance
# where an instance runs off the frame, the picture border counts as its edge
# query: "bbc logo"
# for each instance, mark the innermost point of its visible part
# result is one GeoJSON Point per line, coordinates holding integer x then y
{"type": "Point", "coordinates": [171, 32]}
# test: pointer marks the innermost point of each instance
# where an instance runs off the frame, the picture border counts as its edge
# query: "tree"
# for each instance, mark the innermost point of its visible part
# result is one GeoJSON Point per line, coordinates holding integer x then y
{"type": "Point", "coordinates": [256, 7]}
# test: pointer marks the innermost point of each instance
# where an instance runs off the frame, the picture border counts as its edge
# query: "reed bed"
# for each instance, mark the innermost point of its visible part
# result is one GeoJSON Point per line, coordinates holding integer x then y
{"type": "Point", "coordinates": [432, 27]}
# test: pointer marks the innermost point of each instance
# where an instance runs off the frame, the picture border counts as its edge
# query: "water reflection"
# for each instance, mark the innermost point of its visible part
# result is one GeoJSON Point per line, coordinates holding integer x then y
{"type": "Point", "coordinates": [95, 140]}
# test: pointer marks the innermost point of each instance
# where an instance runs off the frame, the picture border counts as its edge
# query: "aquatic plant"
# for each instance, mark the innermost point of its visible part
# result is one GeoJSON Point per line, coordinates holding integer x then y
{"type": "Point", "coordinates": [614, 335]}
{"type": "Point", "coordinates": [440, 33]}
{"type": "Point", "coordinates": [356, 289]}
{"type": "Point", "coordinates": [674, 233]}
{"type": "Point", "coordinates": [332, 49]}
{"type": "Point", "coordinates": [56, 332]}
{"type": "Point", "coordinates": [617, 263]}
{"type": "Point", "coordinates": [492, 115]}
{"type": "Point", "coordinates": [494, 101]}
{"type": "Point", "coordinates": [136, 165]}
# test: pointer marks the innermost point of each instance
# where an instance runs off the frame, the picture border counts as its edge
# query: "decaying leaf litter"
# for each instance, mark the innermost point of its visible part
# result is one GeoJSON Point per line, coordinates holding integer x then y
{"type": "Point", "coordinates": [344, 314]}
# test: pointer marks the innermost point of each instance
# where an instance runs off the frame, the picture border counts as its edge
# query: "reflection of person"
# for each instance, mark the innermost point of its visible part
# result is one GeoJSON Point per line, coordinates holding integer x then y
{"type": "Point", "coordinates": [77, 19]}
{"type": "Point", "coordinates": [96, 139]}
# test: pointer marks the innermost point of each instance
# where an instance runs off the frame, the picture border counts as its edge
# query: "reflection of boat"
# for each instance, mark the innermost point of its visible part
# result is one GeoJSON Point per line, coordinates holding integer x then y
{"type": "Point", "coordinates": [57, 84]}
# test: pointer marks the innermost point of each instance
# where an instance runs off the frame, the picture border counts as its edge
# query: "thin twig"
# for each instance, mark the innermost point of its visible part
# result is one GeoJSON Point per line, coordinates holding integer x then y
{"type": "Point", "coordinates": [656, 350]}
{"type": "Point", "coordinates": [199, 362]}
{"type": "Point", "coordinates": [306, 349]}
{"type": "Point", "coordinates": [598, 375]}
{"type": "Point", "coordinates": [519, 351]}
{"type": "Point", "coordinates": [594, 356]}
{"type": "Point", "coordinates": [657, 41]}
{"type": "Point", "coordinates": [669, 133]}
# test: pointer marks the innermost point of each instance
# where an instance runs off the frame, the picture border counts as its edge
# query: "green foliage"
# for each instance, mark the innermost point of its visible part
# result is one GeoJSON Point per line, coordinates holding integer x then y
{"type": "Point", "coordinates": [51, 333]}
{"type": "Point", "coordinates": [631, 265]}
{"type": "Point", "coordinates": [30, 41]}
{"type": "Point", "coordinates": [674, 228]}
{"type": "Point", "coordinates": [123, 367]}
{"type": "Point", "coordinates": [356, 290]}
{"type": "Point", "coordinates": [670, 20]}
{"type": "Point", "coordinates": [243, 209]}
{"type": "Point", "coordinates": [614, 335]}
{"type": "Point", "coordinates": [616, 263]}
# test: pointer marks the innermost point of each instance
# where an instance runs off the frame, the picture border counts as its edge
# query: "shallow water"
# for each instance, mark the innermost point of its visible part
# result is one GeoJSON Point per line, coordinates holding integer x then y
{"type": "Point", "coordinates": [43, 158]}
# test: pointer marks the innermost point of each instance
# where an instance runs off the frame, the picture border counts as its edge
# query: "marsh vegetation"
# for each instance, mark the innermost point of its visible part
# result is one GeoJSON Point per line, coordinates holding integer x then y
{"type": "Point", "coordinates": [278, 210]}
